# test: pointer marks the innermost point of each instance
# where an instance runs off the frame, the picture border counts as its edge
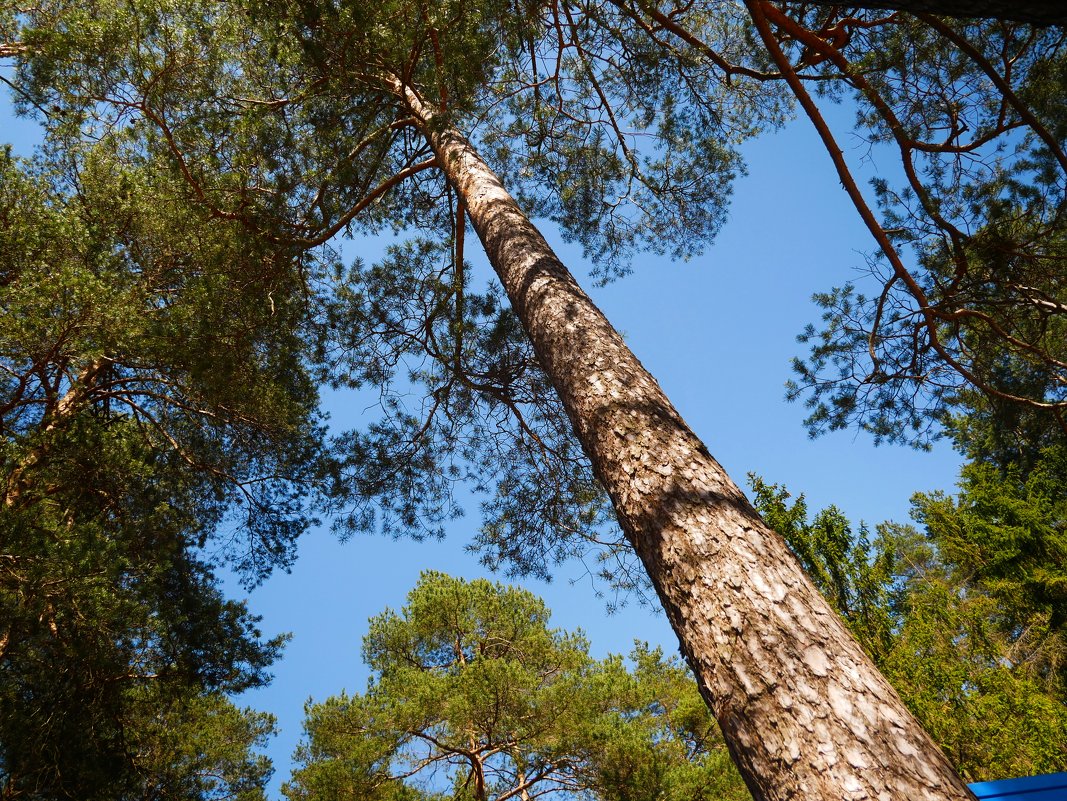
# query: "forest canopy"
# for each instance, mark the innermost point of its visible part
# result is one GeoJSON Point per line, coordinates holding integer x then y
{"type": "Point", "coordinates": [175, 298]}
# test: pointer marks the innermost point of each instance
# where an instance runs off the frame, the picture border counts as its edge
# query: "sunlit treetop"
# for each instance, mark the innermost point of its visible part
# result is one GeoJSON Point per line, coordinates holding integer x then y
{"type": "Point", "coordinates": [473, 696]}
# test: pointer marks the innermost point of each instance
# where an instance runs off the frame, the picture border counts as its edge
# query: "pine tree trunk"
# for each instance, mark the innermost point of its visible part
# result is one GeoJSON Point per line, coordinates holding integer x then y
{"type": "Point", "coordinates": [804, 712]}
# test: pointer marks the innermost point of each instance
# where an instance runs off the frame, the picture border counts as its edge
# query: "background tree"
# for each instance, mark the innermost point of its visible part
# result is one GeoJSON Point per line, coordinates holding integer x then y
{"type": "Point", "coordinates": [200, 748]}
{"type": "Point", "coordinates": [149, 387]}
{"type": "Point", "coordinates": [473, 696]}
{"type": "Point", "coordinates": [1004, 536]}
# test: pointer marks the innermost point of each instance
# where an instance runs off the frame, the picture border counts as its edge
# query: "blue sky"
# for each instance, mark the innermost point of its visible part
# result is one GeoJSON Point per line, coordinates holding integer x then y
{"type": "Point", "coordinates": [718, 333]}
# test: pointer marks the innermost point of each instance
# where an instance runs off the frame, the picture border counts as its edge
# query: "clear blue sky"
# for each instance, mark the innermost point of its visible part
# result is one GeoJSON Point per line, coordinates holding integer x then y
{"type": "Point", "coordinates": [718, 334]}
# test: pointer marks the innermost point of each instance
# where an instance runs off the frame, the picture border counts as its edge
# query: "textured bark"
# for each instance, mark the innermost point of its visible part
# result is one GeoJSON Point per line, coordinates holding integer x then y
{"type": "Point", "coordinates": [805, 713]}
{"type": "Point", "coordinates": [1051, 12]}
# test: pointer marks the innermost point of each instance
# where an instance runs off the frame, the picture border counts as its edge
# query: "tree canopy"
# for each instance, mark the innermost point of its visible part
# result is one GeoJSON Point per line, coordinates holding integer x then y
{"type": "Point", "coordinates": [619, 122]}
{"type": "Point", "coordinates": [156, 423]}
{"type": "Point", "coordinates": [472, 695]}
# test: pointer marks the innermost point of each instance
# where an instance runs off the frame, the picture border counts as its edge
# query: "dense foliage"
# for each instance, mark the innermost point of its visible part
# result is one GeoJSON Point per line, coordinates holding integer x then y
{"type": "Point", "coordinates": [156, 422]}
{"type": "Point", "coordinates": [472, 696]}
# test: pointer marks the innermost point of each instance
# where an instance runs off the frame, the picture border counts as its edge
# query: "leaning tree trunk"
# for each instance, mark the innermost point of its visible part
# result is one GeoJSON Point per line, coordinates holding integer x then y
{"type": "Point", "coordinates": [805, 713]}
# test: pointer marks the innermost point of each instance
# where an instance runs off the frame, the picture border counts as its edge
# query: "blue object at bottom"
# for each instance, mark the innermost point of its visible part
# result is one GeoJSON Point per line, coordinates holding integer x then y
{"type": "Point", "coordinates": [1050, 787]}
